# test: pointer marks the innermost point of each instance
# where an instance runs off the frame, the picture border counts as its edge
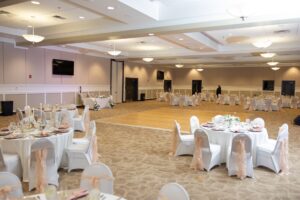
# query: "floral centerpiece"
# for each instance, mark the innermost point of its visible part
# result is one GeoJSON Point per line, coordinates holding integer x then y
{"type": "Point", "coordinates": [96, 107]}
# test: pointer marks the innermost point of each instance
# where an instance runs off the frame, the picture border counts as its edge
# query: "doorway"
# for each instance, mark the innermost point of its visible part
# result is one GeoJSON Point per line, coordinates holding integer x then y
{"type": "Point", "coordinates": [288, 88]}
{"type": "Point", "coordinates": [196, 86]}
{"type": "Point", "coordinates": [131, 89]}
{"type": "Point", "coordinates": [167, 85]}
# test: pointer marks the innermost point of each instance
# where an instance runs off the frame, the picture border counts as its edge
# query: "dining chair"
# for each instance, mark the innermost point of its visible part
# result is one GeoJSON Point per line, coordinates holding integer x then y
{"type": "Point", "coordinates": [173, 191]}
{"type": "Point", "coordinates": [42, 154]}
{"type": "Point", "coordinates": [10, 163]}
{"type": "Point", "coordinates": [80, 121]}
{"type": "Point", "coordinates": [240, 158]}
{"type": "Point", "coordinates": [66, 118]}
{"type": "Point", "coordinates": [91, 130]}
{"type": "Point", "coordinates": [11, 186]}
{"type": "Point", "coordinates": [206, 155]}
{"type": "Point", "coordinates": [185, 145]}
{"type": "Point", "coordinates": [80, 155]}
{"type": "Point", "coordinates": [273, 154]}
{"type": "Point", "coordinates": [98, 176]}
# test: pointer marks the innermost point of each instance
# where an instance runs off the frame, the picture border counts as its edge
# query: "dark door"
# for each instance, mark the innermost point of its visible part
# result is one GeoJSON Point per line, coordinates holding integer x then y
{"type": "Point", "coordinates": [131, 87]}
{"type": "Point", "coordinates": [288, 88]}
{"type": "Point", "coordinates": [167, 85]}
{"type": "Point", "coordinates": [196, 86]}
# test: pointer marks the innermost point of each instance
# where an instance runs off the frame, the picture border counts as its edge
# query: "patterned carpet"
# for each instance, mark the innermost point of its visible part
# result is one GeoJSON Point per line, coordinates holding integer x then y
{"type": "Point", "coordinates": [139, 160]}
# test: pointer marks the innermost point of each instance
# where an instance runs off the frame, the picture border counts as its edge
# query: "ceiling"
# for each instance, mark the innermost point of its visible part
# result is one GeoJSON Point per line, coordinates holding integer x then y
{"type": "Point", "coordinates": [191, 32]}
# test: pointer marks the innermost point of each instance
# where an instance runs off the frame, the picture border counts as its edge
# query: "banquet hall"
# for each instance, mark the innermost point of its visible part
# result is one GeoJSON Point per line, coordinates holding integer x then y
{"type": "Point", "coordinates": [149, 99]}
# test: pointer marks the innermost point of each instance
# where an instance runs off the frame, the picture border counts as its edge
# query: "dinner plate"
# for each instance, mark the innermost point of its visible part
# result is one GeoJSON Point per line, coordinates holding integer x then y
{"type": "Point", "coordinates": [39, 135]}
{"type": "Point", "coordinates": [12, 136]}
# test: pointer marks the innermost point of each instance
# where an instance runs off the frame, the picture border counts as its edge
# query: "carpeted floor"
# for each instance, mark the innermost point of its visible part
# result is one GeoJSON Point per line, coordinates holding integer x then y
{"type": "Point", "coordinates": [139, 160]}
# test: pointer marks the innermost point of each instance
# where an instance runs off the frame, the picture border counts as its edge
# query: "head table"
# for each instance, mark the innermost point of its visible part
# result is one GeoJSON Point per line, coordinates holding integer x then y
{"type": "Point", "coordinates": [22, 147]}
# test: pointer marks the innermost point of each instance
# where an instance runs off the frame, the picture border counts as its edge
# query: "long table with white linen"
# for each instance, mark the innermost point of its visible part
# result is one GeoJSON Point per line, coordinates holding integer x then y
{"type": "Point", "coordinates": [22, 147]}
{"type": "Point", "coordinates": [224, 139]}
{"type": "Point", "coordinates": [103, 102]}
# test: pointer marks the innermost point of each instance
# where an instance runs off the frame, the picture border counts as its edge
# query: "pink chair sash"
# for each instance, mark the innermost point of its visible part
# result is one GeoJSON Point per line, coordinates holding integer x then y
{"type": "Point", "coordinates": [174, 141]}
{"type": "Point", "coordinates": [241, 159]}
{"type": "Point", "coordinates": [5, 190]}
{"type": "Point", "coordinates": [95, 181]}
{"type": "Point", "coordinates": [197, 161]}
{"type": "Point", "coordinates": [41, 156]}
{"type": "Point", "coordinates": [284, 153]}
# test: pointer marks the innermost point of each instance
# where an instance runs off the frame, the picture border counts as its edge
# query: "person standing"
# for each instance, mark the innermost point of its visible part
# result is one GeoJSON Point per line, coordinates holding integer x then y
{"type": "Point", "coordinates": [218, 91]}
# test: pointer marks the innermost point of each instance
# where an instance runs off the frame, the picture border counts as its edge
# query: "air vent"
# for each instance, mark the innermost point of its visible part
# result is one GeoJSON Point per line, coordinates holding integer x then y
{"type": "Point", "coordinates": [3, 12]}
{"type": "Point", "coordinates": [285, 31]}
{"type": "Point", "coordinates": [59, 17]}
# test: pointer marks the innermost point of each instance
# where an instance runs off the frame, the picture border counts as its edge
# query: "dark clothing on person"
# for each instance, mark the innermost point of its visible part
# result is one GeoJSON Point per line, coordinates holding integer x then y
{"type": "Point", "coordinates": [219, 90]}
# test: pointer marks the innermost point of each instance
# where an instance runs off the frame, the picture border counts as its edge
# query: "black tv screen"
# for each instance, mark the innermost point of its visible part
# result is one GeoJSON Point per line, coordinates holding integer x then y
{"type": "Point", "coordinates": [268, 85]}
{"type": "Point", "coordinates": [160, 75]}
{"type": "Point", "coordinates": [62, 67]}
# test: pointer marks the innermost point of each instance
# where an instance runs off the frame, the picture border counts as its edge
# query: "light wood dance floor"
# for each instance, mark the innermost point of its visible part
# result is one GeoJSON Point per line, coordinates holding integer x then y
{"type": "Point", "coordinates": [164, 117]}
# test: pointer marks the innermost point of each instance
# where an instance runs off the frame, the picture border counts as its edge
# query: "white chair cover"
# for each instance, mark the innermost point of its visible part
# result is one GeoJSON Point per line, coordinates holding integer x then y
{"type": "Point", "coordinates": [268, 105]}
{"type": "Point", "coordinates": [10, 186]}
{"type": "Point", "coordinates": [82, 121]}
{"type": "Point", "coordinates": [66, 118]}
{"type": "Point", "coordinates": [274, 153]}
{"type": "Point", "coordinates": [240, 158]}
{"type": "Point", "coordinates": [27, 111]}
{"type": "Point", "coordinates": [252, 105]}
{"type": "Point", "coordinates": [10, 163]}
{"type": "Point", "coordinates": [205, 155]}
{"type": "Point", "coordinates": [19, 115]}
{"type": "Point", "coordinates": [258, 123]}
{"type": "Point", "coordinates": [185, 143]}
{"type": "Point", "coordinates": [97, 176]}
{"type": "Point", "coordinates": [173, 191]}
{"type": "Point", "coordinates": [194, 124]}
{"type": "Point", "coordinates": [42, 156]}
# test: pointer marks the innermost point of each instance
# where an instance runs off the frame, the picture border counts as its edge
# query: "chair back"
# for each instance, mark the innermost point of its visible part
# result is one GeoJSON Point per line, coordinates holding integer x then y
{"type": "Point", "coordinates": [283, 134]}
{"type": "Point", "coordinates": [194, 123]}
{"type": "Point", "coordinates": [97, 176]}
{"type": "Point", "coordinates": [12, 184]}
{"type": "Point", "coordinates": [39, 114]}
{"type": "Point", "coordinates": [173, 191]}
{"type": "Point", "coordinates": [178, 130]}
{"type": "Point", "coordinates": [86, 117]}
{"type": "Point", "coordinates": [19, 114]}
{"type": "Point", "coordinates": [204, 138]}
{"type": "Point", "coordinates": [42, 144]}
{"type": "Point", "coordinates": [247, 141]}
{"type": "Point", "coordinates": [66, 118]}
{"type": "Point", "coordinates": [2, 163]}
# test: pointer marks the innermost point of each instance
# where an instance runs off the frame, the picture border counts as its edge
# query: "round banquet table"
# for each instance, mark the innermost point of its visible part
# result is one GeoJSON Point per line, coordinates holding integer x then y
{"type": "Point", "coordinates": [22, 147]}
{"type": "Point", "coordinates": [224, 139]}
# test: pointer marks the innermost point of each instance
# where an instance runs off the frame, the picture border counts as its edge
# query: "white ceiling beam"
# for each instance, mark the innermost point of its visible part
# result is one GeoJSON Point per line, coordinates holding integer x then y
{"type": "Point", "coordinates": [203, 39]}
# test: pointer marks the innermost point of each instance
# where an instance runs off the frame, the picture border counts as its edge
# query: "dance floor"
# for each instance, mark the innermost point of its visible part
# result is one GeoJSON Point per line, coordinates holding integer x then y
{"type": "Point", "coordinates": [164, 117]}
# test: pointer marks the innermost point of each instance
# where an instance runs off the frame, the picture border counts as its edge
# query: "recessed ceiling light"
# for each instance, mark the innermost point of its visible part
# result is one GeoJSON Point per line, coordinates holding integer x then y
{"type": "Point", "coordinates": [180, 39]}
{"type": "Point", "coordinates": [35, 2]}
{"type": "Point", "coordinates": [268, 55]}
{"type": "Point", "coordinates": [179, 65]}
{"type": "Point", "coordinates": [150, 34]}
{"type": "Point", "coordinates": [110, 8]}
{"type": "Point", "coordinates": [200, 69]}
{"type": "Point", "coordinates": [29, 26]}
{"type": "Point", "coordinates": [81, 17]}
{"type": "Point", "coordinates": [272, 63]}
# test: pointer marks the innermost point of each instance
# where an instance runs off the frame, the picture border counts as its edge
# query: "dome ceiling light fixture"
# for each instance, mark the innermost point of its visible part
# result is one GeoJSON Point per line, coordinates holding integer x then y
{"type": "Point", "coordinates": [262, 43]}
{"type": "Point", "coordinates": [114, 52]}
{"type": "Point", "coordinates": [268, 55]}
{"type": "Point", "coordinates": [200, 69]}
{"type": "Point", "coordinates": [179, 65]}
{"type": "Point", "coordinates": [148, 59]}
{"type": "Point", "coordinates": [272, 63]}
{"type": "Point", "coordinates": [32, 37]}
{"type": "Point", "coordinates": [275, 68]}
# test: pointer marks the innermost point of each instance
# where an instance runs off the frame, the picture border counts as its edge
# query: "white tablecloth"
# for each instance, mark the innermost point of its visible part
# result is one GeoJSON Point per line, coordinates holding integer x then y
{"type": "Point", "coordinates": [73, 113]}
{"type": "Point", "coordinates": [224, 139]}
{"type": "Point", "coordinates": [22, 147]}
{"type": "Point", "coordinates": [103, 102]}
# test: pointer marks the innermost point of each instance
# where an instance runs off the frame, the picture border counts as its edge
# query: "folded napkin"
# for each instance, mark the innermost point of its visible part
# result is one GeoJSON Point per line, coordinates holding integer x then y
{"type": "Point", "coordinates": [78, 194]}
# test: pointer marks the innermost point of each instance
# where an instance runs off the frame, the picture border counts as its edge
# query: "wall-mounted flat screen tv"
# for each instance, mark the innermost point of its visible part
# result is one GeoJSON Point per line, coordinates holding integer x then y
{"type": "Point", "coordinates": [62, 67]}
{"type": "Point", "coordinates": [268, 85]}
{"type": "Point", "coordinates": [160, 75]}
